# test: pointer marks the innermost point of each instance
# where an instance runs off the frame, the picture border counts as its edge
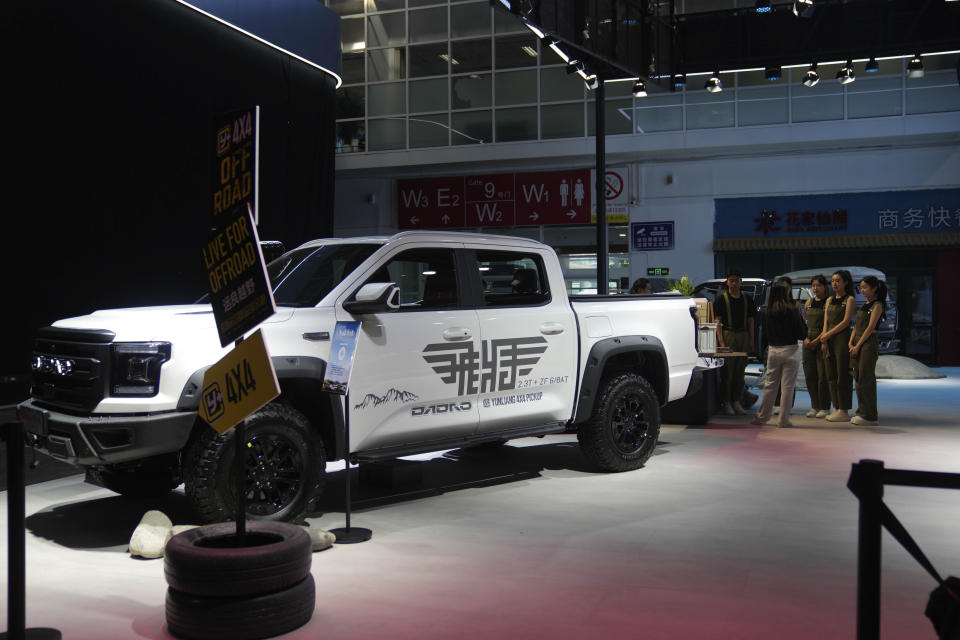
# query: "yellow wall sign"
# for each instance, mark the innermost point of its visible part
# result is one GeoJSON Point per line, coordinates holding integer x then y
{"type": "Point", "coordinates": [239, 384]}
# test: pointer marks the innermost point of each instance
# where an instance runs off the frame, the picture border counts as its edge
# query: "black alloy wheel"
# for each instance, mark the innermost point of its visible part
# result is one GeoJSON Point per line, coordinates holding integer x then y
{"type": "Point", "coordinates": [275, 470]}
{"type": "Point", "coordinates": [623, 430]}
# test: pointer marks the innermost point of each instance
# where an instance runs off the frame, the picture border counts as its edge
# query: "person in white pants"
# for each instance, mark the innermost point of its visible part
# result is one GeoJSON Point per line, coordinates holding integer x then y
{"type": "Point", "coordinates": [783, 327]}
{"type": "Point", "coordinates": [783, 363]}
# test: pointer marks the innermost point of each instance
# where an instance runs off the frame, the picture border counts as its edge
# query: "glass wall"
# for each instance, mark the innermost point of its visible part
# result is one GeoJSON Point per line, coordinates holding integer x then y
{"type": "Point", "coordinates": [428, 73]}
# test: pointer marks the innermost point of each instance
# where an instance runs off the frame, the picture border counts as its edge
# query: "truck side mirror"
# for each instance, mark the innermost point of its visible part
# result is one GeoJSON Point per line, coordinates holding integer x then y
{"type": "Point", "coordinates": [374, 297]}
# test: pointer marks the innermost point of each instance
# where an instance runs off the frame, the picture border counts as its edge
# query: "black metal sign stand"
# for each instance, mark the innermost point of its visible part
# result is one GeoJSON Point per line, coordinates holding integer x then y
{"type": "Point", "coordinates": [348, 534]}
{"type": "Point", "coordinates": [239, 468]}
{"type": "Point", "coordinates": [16, 543]}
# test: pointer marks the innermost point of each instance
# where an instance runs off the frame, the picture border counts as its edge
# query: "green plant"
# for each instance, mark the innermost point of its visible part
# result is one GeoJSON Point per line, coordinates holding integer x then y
{"type": "Point", "coordinates": [684, 285]}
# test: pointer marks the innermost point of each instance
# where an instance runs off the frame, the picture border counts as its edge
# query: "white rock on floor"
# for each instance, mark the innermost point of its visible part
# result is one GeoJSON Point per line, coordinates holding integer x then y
{"type": "Point", "coordinates": [151, 535]}
{"type": "Point", "coordinates": [319, 538]}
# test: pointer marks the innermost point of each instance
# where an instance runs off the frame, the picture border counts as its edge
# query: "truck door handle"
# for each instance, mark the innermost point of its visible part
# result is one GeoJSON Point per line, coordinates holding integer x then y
{"type": "Point", "coordinates": [457, 333]}
{"type": "Point", "coordinates": [551, 328]}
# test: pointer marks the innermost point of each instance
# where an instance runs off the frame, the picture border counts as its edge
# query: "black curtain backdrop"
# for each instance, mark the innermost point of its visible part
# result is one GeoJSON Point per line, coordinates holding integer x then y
{"type": "Point", "coordinates": [109, 106]}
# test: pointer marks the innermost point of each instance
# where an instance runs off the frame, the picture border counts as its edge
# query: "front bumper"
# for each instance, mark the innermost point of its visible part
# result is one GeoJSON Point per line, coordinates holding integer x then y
{"type": "Point", "coordinates": [94, 440]}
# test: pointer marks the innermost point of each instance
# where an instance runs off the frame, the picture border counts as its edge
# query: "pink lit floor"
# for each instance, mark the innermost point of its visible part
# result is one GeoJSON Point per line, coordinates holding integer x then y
{"type": "Point", "coordinates": [730, 532]}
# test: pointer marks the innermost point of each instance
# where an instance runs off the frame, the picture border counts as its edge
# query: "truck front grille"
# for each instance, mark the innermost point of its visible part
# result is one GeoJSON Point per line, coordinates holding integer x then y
{"type": "Point", "coordinates": [71, 367]}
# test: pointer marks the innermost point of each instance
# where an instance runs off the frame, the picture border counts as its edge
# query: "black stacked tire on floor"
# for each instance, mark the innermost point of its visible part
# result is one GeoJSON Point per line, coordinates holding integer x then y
{"type": "Point", "coordinates": [220, 588]}
{"type": "Point", "coordinates": [622, 433]}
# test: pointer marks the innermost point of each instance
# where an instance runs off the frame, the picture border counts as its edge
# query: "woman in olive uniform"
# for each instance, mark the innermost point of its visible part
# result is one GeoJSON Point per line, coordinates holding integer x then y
{"type": "Point", "coordinates": [836, 337]}
{"type": "Point", "coordinates": [814, 367]}
{"type": "Point", "coordinates": [863, 349]}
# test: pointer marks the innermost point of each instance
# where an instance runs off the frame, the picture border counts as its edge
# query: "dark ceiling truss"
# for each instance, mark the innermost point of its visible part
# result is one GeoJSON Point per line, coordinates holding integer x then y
{"type": "Point", "coordinates": [648, 39]}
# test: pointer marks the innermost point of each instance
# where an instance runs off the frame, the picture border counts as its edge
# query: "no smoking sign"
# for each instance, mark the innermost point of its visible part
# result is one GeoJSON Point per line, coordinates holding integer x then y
{"type": "Point", "coordinates": [613, 185]}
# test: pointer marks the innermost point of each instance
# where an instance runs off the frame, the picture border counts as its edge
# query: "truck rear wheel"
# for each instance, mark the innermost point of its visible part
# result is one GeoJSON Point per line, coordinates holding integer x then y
{"type": "Point", "coordinates": [284, 465]}
{"type": "Point", "coordinates": [622, 433]}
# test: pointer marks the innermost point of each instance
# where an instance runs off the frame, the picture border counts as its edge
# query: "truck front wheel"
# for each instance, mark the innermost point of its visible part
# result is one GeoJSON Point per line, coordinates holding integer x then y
{"type": "Point", "coordinates": [622, 433]}
{"type": "Point", "coordinates": [284, 463]}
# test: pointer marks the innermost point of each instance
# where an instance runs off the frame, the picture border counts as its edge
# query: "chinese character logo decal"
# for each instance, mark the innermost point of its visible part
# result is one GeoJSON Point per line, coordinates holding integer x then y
{"type": "Point", "coordinates": [495, 368]}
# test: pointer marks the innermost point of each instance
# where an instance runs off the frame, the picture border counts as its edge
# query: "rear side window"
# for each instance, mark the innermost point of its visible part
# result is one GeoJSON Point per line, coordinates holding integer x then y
{"type": "Point", "coordinates": [511, 279]}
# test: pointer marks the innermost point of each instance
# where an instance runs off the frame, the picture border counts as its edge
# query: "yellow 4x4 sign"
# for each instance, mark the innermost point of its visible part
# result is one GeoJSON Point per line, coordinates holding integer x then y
{"type": "Point", "coordinates": [239, 384]}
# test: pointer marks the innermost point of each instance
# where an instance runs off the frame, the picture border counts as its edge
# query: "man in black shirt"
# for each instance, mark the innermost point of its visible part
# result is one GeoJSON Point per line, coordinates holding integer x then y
{"type": "Point", "coordinates": [735, 311]}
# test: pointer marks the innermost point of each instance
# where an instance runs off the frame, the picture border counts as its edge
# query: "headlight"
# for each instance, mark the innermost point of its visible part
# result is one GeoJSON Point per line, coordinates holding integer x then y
{"type": "Point", "coordinates": [136, 368]}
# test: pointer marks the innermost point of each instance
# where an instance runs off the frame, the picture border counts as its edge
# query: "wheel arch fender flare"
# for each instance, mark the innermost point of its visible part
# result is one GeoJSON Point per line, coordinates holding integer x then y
{"type": "Point", "coordinates": [643, 355]}
{"type": "Point", "coordinates": [300, 378]}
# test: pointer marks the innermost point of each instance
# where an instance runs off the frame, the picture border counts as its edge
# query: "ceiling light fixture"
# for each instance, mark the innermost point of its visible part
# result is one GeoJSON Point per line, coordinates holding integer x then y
{"type": "Point", "coordinates": [915, 67]}
{"type": "Point", "coordinates": [811, 77]}
{"type": "Point", "coordinates": [772, 73]}
{"type": "Point", "coordinates": [803, 8]}
{"type": "Point", "coordinates": [592, 81]}
{"type": "Point", "coordinates": [574, 65]}
{"type": "Point", "coordinates": [640, 89]}
{"type": "Point", "coordinates": [713, 84]}
{"type": "Point", "coordinates": [679, 81]}
{"type": "Point", "coordinates": [872, 66]}
{"type": "Point", "coordinates": [846, 74]}
{"type": "Point", "coordinates": [536, 30]}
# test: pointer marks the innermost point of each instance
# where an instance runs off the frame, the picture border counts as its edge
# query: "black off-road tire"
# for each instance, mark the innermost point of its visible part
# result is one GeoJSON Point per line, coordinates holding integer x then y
{"type": "Point", "coordinates": [210, 560]}
{"type": "Point", "coordinates": [240, 618]}
{"type": "Point", "coordinates": [149, 478]}
{"type": "Point", "coordinates": [622, 433]}
{"type": "Point", "coordinates": [285, 468]}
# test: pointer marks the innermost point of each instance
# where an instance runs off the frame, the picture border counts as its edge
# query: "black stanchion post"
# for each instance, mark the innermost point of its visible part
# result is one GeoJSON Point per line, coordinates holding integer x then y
{"type": "Point", "coordinates": [867, 482]}
{"type": "Point", "coordinates": [16, 543]}
{"type": "Point", "coordinates": [348, 534]}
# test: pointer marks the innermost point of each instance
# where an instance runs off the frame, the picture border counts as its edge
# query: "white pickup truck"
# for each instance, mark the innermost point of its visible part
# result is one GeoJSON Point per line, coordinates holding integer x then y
{"type": "Point", "coordinates": [465, 339]}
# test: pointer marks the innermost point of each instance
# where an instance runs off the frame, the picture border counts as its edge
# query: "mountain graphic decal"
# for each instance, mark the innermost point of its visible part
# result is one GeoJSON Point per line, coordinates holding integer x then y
{"type": "Point", "coordinates": [392, 395]}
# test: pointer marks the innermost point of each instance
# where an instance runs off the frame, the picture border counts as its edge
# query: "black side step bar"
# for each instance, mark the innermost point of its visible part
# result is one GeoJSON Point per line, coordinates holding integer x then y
{"type": "Point", "coordinates": [397, 451]}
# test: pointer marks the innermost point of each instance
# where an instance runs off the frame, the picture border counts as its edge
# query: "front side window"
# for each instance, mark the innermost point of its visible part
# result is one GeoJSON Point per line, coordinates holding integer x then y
{"type": "Point", "coordinates": [427, 278]}
{"type": "Point", "coordinates": [511, 279]}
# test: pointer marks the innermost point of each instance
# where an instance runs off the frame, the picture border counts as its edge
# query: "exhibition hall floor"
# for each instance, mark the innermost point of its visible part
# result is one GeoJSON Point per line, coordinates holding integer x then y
{"type": "Point", "coordinates": [730, 532]}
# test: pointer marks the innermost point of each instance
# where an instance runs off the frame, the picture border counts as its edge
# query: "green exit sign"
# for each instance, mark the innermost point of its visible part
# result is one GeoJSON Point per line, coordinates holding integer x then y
{"type": "Point", "coordinates": [658, 271]}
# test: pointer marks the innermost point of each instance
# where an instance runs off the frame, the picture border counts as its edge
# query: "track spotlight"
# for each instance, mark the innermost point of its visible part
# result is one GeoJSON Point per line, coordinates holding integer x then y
{"type": "Point", "coordinates": [679, 80]}
{"type": "Point", "coordinates": [592, 81]}
{"type": "Point", "coordinates": [713, 84]}
{"type": "Point", "coordinates": [574, 65]}
{"type": "Point", "coordinates": [772, 73]}
{"type": "Point", "coordinates": [640, 89]}
{"type": "Point", "coordinates": [811, 77]}
{"type": "Point", "coordinates": [803, 8]}
{"type": "Point", "coordinates": [846, 74]}
{"type": "Point", "coordinates": [871, 66]}
{"type": "Point", "coordinates": [763, 6]}
{"type": "Point", "coordinates": [915, 67]}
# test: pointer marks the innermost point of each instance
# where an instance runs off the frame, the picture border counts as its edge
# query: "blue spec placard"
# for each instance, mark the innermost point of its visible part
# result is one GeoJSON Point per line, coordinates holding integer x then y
{"type": "Point", "coordinates": [342, 347]}
{"type": "Point", "coordinates": [652, 236]}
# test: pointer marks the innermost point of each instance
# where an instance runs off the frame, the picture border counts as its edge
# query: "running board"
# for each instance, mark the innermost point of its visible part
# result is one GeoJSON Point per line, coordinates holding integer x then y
{"type": "Point", "coordinates": [398, 451]}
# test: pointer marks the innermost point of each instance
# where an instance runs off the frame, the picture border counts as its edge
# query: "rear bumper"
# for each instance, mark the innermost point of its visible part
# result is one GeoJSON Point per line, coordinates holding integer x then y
{"type": "Point", "coordinates": [93, 440]}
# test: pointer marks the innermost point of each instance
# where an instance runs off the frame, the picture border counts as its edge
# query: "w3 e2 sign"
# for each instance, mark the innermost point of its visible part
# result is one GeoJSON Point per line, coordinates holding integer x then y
{"type": "Point", "coordinates": [240, 383]}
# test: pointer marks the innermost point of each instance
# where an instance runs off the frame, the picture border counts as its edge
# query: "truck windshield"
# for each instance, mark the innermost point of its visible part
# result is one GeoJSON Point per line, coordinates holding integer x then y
{"type": "Point", "coordinates": [302, 277]}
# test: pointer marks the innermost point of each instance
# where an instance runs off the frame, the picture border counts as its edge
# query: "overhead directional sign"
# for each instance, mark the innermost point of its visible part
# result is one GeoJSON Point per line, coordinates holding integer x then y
{"type": "Point", "coordinates": [498, 200]}
{"type": "Point", "coordinates": [240, 383]}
